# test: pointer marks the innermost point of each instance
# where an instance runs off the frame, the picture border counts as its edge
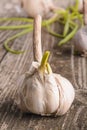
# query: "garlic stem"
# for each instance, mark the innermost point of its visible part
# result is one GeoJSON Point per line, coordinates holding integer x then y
{"type": "Point", "coordinates": [45, 58]}
{"type": "Point", "coordinates": [6, 44]}
{"type": "Point", "coordinates": [49, 70]}
{"type": "Point", "coordinates": [44, 63]}
{"type": "Point", "coordinates": [50, 21]}
{"type": "Point", "coordinates": [16, 19]}
{"type": "Point", "coordinates": [14, 27]}
{"type": "Point", "coordinates": [37, 48]}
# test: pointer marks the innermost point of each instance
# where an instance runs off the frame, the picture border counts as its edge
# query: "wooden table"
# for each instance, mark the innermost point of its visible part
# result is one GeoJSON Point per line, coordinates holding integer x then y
{"type": "Point", "coordinates": [62, 61]}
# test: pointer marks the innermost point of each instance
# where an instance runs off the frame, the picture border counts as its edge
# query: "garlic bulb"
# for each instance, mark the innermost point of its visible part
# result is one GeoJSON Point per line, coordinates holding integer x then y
{"type": "Point", "coordinates": [80, 40]}
{"type": "Point", "coordinates": [44, 93]}
{"type": "Point", "coordinates": [37, 7]}
{"type": "Point", "coordinates": [40, 90]}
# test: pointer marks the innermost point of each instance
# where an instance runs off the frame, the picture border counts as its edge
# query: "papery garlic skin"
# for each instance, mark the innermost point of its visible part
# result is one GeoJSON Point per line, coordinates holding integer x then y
{"type": "Point", "coordinates": [66, 94]}
{"type": "Point", "coordinates": [44, 94]}
{"type": "Point", "coordinates": [37, 7]}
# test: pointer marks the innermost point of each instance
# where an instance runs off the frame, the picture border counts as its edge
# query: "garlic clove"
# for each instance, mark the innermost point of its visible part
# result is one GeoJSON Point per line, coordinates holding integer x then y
{"type": "Point", "coordinates": [66, 94]}
{"type": "Point", "coordinates": [20, 100]}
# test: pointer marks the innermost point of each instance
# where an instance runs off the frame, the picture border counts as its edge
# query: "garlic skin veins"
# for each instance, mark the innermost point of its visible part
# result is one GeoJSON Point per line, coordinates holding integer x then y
{"type": "Point", "coordinates": [37, 7]}
{"type": "Point", "coordinates": [44, 94]}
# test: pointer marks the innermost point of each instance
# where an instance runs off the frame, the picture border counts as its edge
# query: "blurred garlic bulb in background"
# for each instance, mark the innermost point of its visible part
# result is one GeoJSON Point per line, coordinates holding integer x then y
{"type": "Point", "coordinates": [37, 7]}
{"type": "Point", "coordinates": [80, 40]}
{"type": "Point", "coordinates": [43, 7]}
{"type": "Point", "coordinates": [40, 90]}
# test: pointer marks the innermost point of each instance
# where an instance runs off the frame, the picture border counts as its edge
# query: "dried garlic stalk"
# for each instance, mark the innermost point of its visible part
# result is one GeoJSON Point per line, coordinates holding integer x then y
{"type": "Point", "coordinates": [40, 90]}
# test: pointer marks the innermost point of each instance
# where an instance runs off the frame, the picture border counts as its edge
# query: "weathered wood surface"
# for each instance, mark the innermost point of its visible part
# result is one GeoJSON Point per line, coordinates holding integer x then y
{"type": "Point", "coordinates": [62, 61]}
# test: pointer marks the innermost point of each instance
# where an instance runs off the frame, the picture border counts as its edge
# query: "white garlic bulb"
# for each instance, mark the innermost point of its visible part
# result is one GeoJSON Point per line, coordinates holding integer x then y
{"type": "Point", "coordinates": [44, 93]}
{"type": "Point", "coordinates": [37, 7]}
{"type": "Point", "coordinates": [41, 91]}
